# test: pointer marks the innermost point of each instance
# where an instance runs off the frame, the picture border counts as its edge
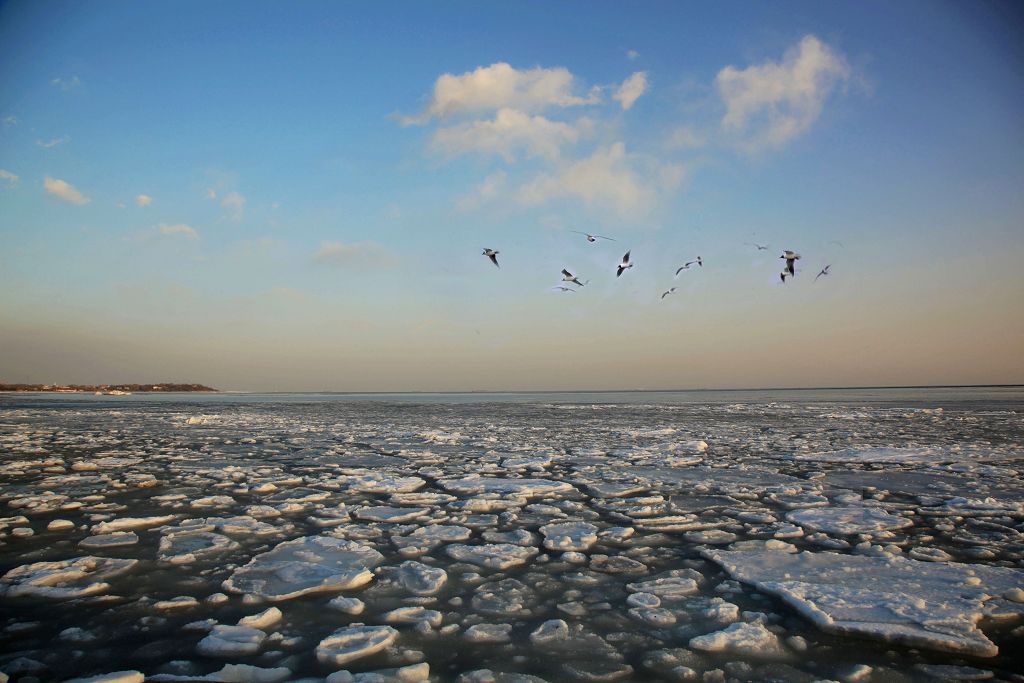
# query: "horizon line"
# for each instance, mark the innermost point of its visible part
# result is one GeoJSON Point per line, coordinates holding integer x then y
{"type": "Point", "coordinates": [624, 391]}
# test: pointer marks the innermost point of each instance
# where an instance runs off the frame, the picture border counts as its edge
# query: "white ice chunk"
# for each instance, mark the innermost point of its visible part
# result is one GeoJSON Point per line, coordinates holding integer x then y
{"type": "Point", "coordinates": [125, 523]}
{"type": "Point", "coordinates": [846, 521]}
{"type": "Point", "coordinates": [498, 556]}
{"type": "Point", "coordinates": [305, 565]}
{"type": "Point", "coordinates": [354, 642]}
{"type": "Point", "coordinates": [751, 640]}
{"type": "Point", "coordinates": [65, 579]}
{"type": "Point", "coordinates": [891, 598]}
{"type": "Point", "coordinates": [526, 488]}
{"type": "Point", "coordinates": [231, 641]}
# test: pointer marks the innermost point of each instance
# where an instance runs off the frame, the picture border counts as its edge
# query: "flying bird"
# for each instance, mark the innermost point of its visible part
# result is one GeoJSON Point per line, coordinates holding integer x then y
{"type": "Point", "coordinates": [569, 277]}
{"type": "Point", "coordinates": [791, 258]}
{"type": "Point", "coordinates": [760, 247]}
{"type": "Point", "coordinates": [824, 271]}
{"type": "Point", "coordinates": [563, 289]}
{"type": "Point", "coordinates": [784, 274]}
{"type": "Point", "coordinates": [491, 254]}
{"type": "Point", "coordinates": [624, 265]}
{"type": "Point", "coordinates": [668, 292]}
{"type": "Point", "coordinates": [593, 238]}
{"type": "Point", "coordinates": [686, 266]}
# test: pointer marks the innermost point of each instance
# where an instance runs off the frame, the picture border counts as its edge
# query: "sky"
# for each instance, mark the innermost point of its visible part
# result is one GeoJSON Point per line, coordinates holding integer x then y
{"type": "Point", "coordinates": [271, 196]}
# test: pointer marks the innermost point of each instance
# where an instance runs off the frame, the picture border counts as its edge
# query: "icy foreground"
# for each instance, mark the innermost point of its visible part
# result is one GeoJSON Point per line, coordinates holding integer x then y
{"type": "Point", "coordinates": [247, 540]}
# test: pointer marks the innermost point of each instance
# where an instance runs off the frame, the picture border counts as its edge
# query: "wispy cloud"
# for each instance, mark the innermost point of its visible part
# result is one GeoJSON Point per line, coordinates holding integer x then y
{"type": "Point", "coordinates": [509, 132]}
{"type": "Point", "coordinates": [357, 254]}
{"type": "Point", "coordinates": [54, 142]}
{"type": "Point", "coordinates": [486, 192]}
{"type": "Point", "coordinates": [178, 229]}
{"type": "Point", "coordinates": [8, 179]}
{"type": "Point", "coordinates": [64, 191]}
{"type": "Point", "coordinates": [686, 137]}
{"type": "Point", "coordinates": [66, 83]}
{"type": "Point", "coordinates": [631, 55]}
{"type": "Point", "coordinates": [609, 179]}
{"type": "Point", "coordinates": [500, 86]}
{"type": "Point", "coordinates": [10, 121]}
{"type": "Point", "coordinates": [234, 203]}
{"type": "Point", "coordinates": [768, 105]}
{"type": "Point", "coordinates": [143, 200]}
{"type": "Point", "coordinates": [631, 89]}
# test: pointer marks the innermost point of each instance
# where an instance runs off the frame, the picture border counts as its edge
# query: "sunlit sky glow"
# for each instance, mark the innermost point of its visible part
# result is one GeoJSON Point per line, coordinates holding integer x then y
{"type": "Point", "coordinates": [295, 196]}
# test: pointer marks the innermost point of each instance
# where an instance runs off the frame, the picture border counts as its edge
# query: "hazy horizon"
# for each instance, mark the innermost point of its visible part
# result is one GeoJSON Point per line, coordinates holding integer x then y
{"type": "Point", "coordinates": [269, 197]}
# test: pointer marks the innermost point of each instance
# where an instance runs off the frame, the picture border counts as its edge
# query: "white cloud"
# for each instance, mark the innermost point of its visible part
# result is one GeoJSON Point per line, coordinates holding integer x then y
{"type": "Point", "coordinates": [607, 179]}
{"type": "Point", "coordinates": [509, 131]}
{"type": "Point", "coordinates": [49, 144]}
{"type": "Point", "coordinates": [632, 55]}
{"type": "Point", "coordinates": [492, 187]}
{"type": "Point", "coordinates": [211, 193]}
{"type": "Point", "coordinates": [11, 120]}
{"type": "Point", "coordinates": [685, 137]}
{"type": "Point", "coordinates": [769, 104]}
{"type": "Point", "coordinates": [235, 205]}
{"type": "Point", "coordinates": [8, 178]}
{"type": "Point", "coordinates": [498, 86]}
{"type": "Point", "coordinates": [631, 89]}
{"type": "Point", "coordinates": [64, 191]}
{"type": "Point", "coordinates": [143, 200]}
{"type": "Point", "coordinates": [358, 254]}
{"type": "Point", "coordinates": [66, 83]}
{"type": "Point", "coordinates": [178, 229]}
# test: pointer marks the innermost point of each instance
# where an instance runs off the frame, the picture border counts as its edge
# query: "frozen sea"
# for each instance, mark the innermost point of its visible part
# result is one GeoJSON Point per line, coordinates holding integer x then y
{"type": "Point", "coordinates": [793, 535]}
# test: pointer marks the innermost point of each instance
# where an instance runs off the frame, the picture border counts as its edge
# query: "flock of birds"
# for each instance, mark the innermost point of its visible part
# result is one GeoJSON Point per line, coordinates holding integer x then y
{"type": "Point", "coordinates": [788, 270]}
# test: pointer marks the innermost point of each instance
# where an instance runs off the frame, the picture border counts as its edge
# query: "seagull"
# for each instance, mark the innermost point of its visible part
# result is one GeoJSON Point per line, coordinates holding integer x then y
{"type": "Point", "coordinates": [593, 238]}
{"type": "Point", "coordinates": [837, 242]}
{"type": "Point", "coordinates": [783, 275]}
{"type": "Point", "coordinates": [563, 289]}
{"type": "Point", "coordinates": [491, 254]}
{"type": "Point", "coordinates": [824, 271]}
{"type": "Point", "coordinates": [760, 247]}
{"type": "Point", "coordinates": [569, 277]}
{"type": "Point", "coordinates": [686, 266]}
{"type": "Point", "coordinates": [624, 265]}
{"type": "Point", "coordinates": [668, 292]}
{"type": "Point", "coordinates": [791, 258]}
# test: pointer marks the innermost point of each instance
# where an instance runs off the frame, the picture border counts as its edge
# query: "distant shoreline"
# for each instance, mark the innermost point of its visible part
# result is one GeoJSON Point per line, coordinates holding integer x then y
{"type": "Point", "coordinates": [156, 388]}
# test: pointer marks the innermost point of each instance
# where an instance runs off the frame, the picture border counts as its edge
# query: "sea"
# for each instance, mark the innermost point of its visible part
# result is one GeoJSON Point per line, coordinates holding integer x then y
{"type": "Point", "coordinates": [870, 534]}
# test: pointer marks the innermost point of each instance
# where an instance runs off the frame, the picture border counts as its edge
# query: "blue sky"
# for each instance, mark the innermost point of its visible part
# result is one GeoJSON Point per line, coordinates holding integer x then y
{"type": "Point", "coordinates": [295, 195]}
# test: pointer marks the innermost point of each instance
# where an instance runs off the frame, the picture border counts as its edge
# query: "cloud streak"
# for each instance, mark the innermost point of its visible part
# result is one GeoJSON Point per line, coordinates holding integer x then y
{"type": "Point", "coordinates": [631, 89]}
{"type": "Point", "coordinates": [178, 229]}
{"type": "Point", "coordinates": [7, 178]}
{"type": "Point", "coordinates": [64, 191]}
{"type": "Point", "coordinates": [364, 254]}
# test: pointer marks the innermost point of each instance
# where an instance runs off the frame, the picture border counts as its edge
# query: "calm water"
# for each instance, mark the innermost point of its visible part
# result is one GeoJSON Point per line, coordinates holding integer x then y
{"type": "Point", "coordinates": [1000, 397]}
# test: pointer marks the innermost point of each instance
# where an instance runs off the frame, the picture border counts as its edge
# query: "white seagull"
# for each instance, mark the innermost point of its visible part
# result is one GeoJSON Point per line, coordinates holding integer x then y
{"type": "Point", "coordinates": [791, 258]}
{"type": "Point", "coordinates": [569, 277]}
{"type": "Point", "coordinates": [824, 271]}
{"type": "Point", "coordinates": [760, 247]}
{"type": "Point", "coordinates": [686, 266]}
{"type": "Point", "coordinates": [563, 289]}
{"type": "Point", "coordinates": [491, 254]}
{"type": "Point", "coordinates": [668, 292]}
{"type": "Point", "coordinates": [624, 265]}
{"type": "Point", "coordinates": [594, 238]}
